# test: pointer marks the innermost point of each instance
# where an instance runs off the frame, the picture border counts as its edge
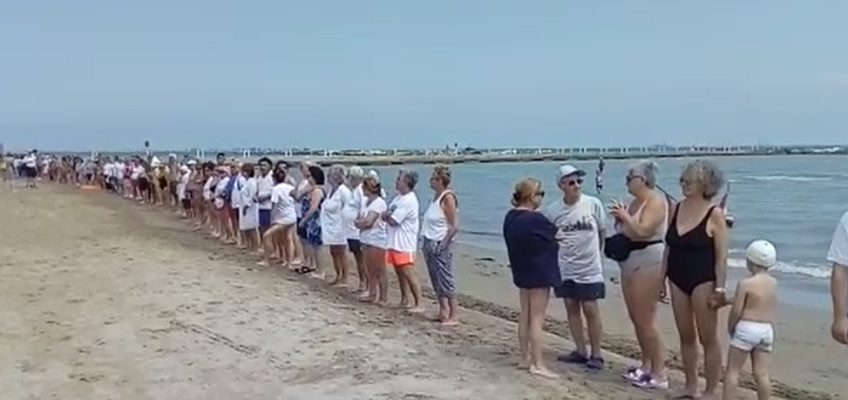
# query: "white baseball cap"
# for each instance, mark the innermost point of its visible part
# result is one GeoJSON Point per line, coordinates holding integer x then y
{"type": "Point", "coordinates": [762, 253]}
{"type": "Point", "coordinates": [569, 170]}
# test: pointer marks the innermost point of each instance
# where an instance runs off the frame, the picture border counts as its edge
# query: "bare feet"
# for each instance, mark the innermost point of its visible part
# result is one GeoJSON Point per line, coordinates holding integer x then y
{"type": "Point", "coordinates": [415, 310]}
{"type": "Point", "coordinates": [542, 371]}
{"type": "Point", "coordinates": [524, 363]}
{"type": "Point", "coordinates": [450, 322]}
{"type": "Point", "coordinates": [317, 275]}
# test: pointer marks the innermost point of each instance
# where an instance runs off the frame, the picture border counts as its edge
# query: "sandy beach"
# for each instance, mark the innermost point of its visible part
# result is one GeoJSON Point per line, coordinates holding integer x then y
{"type": "Point", "coordinates": [107, 299]}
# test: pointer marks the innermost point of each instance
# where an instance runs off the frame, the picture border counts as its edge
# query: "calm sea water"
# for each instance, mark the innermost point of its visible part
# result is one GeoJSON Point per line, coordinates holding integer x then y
{"type": "Point", "coordinates": [793, 201]}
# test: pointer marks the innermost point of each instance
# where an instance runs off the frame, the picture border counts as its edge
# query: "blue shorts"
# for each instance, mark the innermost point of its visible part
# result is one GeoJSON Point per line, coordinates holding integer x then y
{"type": "Point", "coordinates": [264, 218]}
{"type": "Point", "coordinates": [571, 290]}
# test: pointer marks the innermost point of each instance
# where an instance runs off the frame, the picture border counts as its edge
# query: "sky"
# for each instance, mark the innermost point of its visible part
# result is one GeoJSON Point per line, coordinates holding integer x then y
{"type": "Point", "coordinates": [108, 75]}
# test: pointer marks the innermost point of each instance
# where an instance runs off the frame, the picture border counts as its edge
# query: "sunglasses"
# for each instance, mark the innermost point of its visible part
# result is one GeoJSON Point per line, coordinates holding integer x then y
{"type": "Point", "coordinates": [630, 178]}
{"type": "Point", "coordinates": [540, 193]}
{"type": "Point", "coordinates": [575, 182]}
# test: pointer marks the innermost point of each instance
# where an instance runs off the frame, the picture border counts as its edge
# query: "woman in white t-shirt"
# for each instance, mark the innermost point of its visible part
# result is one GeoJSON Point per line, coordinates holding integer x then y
{"type": "Point", "coordinates": [221, 212]}
{"type": "Point", "coordinates": [249, 209]}
{"type": "Point", "coordinates": [238, 183]}
{"type": "Point", "coordinates": [332, 222]}
{"type": "Point", "coordinates": [283, 217]}
{"type": "Point", "coordinates": [350, 213]}
{"type": "Point", "coordinates": [402, 239]}
{"type": "Point", "coordinates": [372, 234]}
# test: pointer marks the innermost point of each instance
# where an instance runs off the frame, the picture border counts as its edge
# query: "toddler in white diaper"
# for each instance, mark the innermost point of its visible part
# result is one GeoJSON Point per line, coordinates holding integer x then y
{"type": "Point", "coordinates": [750, 321]}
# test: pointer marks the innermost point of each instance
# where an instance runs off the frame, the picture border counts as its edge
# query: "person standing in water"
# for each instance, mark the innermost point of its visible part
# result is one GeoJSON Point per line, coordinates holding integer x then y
{"type": "Point", "coordinates": [581, 223]}
{"type": "Point", "coordinates": [750, 321]}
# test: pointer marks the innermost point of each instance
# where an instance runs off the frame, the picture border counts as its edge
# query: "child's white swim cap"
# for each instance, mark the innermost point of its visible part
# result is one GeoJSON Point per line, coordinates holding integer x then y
{"type": "Point", "coordinates": [762, 253]}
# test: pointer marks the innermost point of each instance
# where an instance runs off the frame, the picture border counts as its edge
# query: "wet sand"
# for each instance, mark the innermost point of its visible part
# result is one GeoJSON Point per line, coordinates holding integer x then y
{"type": "Point", "coordinates": [106, 299]}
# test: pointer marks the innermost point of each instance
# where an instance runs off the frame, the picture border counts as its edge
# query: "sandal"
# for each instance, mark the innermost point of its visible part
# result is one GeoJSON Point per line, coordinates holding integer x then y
{"type": "Point", "coordinates": [304, 270]}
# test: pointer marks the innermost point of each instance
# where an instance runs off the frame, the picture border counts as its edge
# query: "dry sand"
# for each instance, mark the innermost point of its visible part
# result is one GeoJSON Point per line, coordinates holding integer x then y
{"type": "Point", "coordinates": [106, 299]}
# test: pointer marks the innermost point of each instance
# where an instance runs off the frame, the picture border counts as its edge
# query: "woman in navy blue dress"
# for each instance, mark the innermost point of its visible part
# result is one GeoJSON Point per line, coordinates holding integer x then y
{"type": "Point", "coordinates": [533, 249]}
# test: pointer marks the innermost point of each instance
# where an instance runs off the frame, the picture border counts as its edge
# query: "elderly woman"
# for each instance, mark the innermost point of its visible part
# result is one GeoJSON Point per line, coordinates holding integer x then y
{"type": "Point", "coordinates": [438, 230]}
{"type": "Point", "coordinates": [249, 209]}
{"type": "Point", "coordinates": [638, 247]}
{"type": "Point", "coordinates": [402, 239]}
{"type": "Point", "coordinates": [696, 266]}
{"type": "Point", "coordinates": [309, 226]}
{"type": "Point", "coordinates": [533, 250]}
{"type": "Point", "coordinates": [373, 236]}
{"type": "Point", "coordinates": [350, 213]}
{"type": "Point", "coordinates": [333, 224]}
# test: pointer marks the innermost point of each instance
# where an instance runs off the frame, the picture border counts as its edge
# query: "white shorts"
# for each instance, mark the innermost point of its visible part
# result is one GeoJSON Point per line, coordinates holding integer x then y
{"type": "Point", "coordinates": [750, 335]}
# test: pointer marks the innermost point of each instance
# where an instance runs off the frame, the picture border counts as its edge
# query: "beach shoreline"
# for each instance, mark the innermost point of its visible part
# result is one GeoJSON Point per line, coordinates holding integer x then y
{"type": "Point", "coordinates": [487, 297]}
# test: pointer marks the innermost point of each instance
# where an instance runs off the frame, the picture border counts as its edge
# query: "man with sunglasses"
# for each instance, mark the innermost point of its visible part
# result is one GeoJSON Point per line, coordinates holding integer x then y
{"type": "Point", "coordinates": [581, 222]}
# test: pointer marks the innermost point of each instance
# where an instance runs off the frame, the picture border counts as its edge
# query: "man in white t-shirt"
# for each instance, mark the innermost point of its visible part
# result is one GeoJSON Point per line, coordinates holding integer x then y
{"type": "Point", "coordinates": [838, 256]}
{"type": "Point", "coordinates": [581, 222]}
{"type": "Point", "coordinates": [264, 187]}
{"type": "Point", "coordinates": [402, 239]}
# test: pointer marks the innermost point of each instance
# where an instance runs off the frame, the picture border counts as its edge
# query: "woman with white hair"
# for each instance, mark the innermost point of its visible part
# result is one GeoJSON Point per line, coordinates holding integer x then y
{"type": "Point", "coordinates": [373, 236]}
{"type": "Point", "coordinates": [333, 224]}
{"type": "Point", "coordinates": [696, 266]}
{"type": "Point", "coordinates": [351, 213]}
{"type": "Point", "coordinates": [402, 239]}
{"type": "Point", "coordinates": [638, 248]}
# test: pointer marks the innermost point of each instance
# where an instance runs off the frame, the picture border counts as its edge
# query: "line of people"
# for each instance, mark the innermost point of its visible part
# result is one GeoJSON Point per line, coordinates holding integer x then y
{"type": "Point", "coordinates": [286, 220]}
{"type": "Point", "coordinates": [663, 247]}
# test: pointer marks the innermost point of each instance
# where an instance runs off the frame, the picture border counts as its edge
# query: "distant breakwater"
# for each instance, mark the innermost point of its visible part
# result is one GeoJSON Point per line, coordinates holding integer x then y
{"type": "Point", "coordinates": [387, 160]}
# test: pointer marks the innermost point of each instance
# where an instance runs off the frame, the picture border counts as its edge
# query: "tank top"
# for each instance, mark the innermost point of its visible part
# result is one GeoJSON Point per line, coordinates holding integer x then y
{"type": "Point", "coordinates": [435, 224]}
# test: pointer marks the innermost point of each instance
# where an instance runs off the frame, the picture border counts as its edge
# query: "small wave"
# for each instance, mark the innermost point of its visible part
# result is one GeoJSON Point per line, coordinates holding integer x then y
{"type": "Point", "coordinates": [480, 233]}
{"type": "Point", "coordinates": [814, 271]}
{"type": "Point", "coordinates": [769, 178]}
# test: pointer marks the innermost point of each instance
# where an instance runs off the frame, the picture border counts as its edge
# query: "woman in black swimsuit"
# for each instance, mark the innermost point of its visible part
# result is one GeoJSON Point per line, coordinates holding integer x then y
{"type": "Point", "coordinates": [696, 265]}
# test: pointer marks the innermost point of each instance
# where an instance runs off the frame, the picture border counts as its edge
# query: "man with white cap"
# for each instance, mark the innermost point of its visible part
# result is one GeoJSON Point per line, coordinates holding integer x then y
{"type": "Point", "coordinates": [581, 223]}
{"type": "Point", "coordinates": [750, 321]}
{"type": "Point", "coordinates": [838, 256]}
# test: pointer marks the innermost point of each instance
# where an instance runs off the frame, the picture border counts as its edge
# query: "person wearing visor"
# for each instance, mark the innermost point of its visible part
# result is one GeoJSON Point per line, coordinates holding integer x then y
{"type": "Point", "coordinates": [581, 223]}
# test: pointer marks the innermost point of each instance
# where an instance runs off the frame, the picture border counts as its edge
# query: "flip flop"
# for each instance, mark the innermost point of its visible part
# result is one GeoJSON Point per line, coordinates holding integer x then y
{"type": "Point", "coordinates": [304, 270]}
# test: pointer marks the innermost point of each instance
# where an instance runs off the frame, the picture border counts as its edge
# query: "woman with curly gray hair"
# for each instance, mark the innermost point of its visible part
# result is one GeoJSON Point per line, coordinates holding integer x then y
{"type": "Point", "coordinates": [696, 266]}
{"type": "Point", "coordinates": [332, 222]}
{"type": "Point", "coordinates": [641, 227]}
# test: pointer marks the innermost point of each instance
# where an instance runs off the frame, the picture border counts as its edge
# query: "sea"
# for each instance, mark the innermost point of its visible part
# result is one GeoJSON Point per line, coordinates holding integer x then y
{"type": "Point", "coordinates": [793, 201]}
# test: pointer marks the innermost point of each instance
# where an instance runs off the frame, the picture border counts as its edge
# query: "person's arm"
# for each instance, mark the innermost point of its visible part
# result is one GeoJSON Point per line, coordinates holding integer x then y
{"type": "Point", "coordinates": [367, 220]}
{"type": "Point", "coordinates": [450, 210]}
{"type": "Point", "coordinates": [652, 216]}
{"type": "Point", "coordinates": [738, 302]}
{"type": "Point", "coordinates": [401, 212]}
{"type": "Point", "coordinates": [265, 193]}
{"type": "Point", "coordinates": [839, 291]}
{"type": "Point", "coordinates": [721, 238]}
{"type": "Point", "coordinates": [601, 219]}
{"type": "Point", "coordinates": [314, 203]}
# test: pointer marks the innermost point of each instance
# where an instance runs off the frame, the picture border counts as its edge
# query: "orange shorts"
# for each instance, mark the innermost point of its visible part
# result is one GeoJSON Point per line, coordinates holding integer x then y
{"type": "Point", "coordinates": [399, 259]}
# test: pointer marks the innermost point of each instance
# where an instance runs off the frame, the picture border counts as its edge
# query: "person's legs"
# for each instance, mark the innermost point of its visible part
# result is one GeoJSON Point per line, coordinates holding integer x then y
{"type": "Point", "coordinates": [592, 313]}
{"type": "Point", "coordinates": [735, 361]}
{"type": "Point", "coordinates": [524, 357]}
{"type": "Point", "coordinates": [267, 238]}
{"type": "Point", "coordinates": [644, 284]}
{"type": "Point", "coordinates": [760, 363]}
{"type": "Point", "coordinates": [338, 254]}
{"type": "Point", "coordinates": [574, 316]}
{"type": "Point", "coordinates": [706, 320]}
{"type": "Point", "coordinates": [684, 319]}
{"type": "Point", "coordinates": [355, 248]}
{"type": "Point", "coordinates": [628, 282]}
{"type": "Point", "coordinates": [413, 285]}
{"type": "Point", "coordinates": [538, 304]}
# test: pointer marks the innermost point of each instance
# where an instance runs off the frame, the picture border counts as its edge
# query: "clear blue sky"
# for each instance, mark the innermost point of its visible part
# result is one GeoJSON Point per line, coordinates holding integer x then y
{"type": "Point", "coordinates": [401, 73]}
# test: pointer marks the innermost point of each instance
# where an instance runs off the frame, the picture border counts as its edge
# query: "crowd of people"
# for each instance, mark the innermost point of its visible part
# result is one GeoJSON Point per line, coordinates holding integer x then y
{"type": "Point", "coordinates": [289, 215]}
{"type": "Point", "coordinates": [664, 247]}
